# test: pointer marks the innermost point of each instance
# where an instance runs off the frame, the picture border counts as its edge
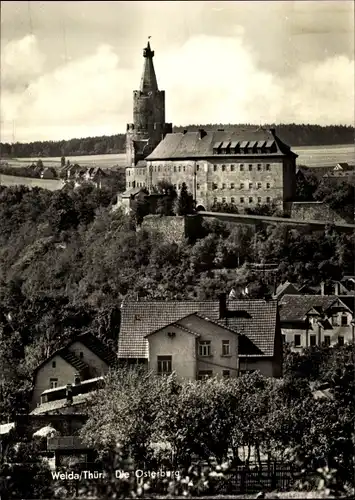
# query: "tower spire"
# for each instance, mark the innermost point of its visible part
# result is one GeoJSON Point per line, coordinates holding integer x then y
{"type": "Point", "coordinates": [149, 79]}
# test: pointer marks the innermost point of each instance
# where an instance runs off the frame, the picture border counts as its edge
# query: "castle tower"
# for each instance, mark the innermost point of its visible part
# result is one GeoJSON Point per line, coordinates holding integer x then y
{"type": "Point", "coordinates": [148, 127]}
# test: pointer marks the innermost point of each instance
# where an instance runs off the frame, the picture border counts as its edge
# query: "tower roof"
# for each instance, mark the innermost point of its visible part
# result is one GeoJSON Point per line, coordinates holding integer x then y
{"type": "Point", "coordinates": [148, 80]}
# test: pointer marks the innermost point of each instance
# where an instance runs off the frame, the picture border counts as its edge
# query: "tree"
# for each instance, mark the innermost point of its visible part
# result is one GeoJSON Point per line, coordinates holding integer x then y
{"type": "Point", "coordinates": [185, 203]}
{"type": "Point", "coordinates": [140, 206]}
{"type": "Point", "coordinates": [62, 161]}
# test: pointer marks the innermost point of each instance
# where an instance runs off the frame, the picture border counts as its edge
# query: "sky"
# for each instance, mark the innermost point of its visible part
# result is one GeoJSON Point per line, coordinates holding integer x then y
{"type": "Point", "coordinates": [68, 69]}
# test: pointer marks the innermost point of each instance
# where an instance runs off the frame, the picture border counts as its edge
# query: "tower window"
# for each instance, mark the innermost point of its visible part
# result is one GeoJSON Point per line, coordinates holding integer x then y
{"type": "Point", "coordinates": [197, 168]}
{"type": "Point", "coordinates": [197, 186]}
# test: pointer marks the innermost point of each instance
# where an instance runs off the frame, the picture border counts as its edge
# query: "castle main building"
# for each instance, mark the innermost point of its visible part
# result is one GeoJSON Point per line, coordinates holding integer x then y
{"type": "Point", "coordinates": [243, 167]}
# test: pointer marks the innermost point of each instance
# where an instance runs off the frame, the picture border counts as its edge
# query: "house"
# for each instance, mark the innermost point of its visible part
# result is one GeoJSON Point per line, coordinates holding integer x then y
{"type": "Point", "coordinates": [83, 358]}
{"type": "Point", "coordinates": [309, 320]}
{"type": "Point", "coordinates": [144, 325]}
{"type": "Point", "coordinates": [49, 173]}
{"type": "Point", "coordinates": [285, 288]}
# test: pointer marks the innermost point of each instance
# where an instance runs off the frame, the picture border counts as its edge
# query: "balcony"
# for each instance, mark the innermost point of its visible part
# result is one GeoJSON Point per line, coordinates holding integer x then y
{"type": "Point", "coordinates": [65, 443]}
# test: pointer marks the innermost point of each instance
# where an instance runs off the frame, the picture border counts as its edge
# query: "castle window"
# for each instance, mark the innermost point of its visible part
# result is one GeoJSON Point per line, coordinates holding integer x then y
{"type": "Point", "coordinates": [214, 168]}
{"type": "Point", "coordinates": [223, 200]}
{"type": "Point", "coordinates": [250, 200]}
{"type": "Point", "coordinates": [268, 166]}
{"type": "Point", "coordinates": [268, 199]}
{"type": "Point", "coordinates": [198, 186]}
{"type": "Point", "coordinates": [259, 185]}
{"type": "Point", "coordinates": [241, 168]}
{"type": "Point", "coordinates": [268, 185]}
{"type": "Point", "coordinates": [259, 166]}
{"type": "Point", "coordinates": [214, 185]}
{"type": "Point", "coordinates": [223, 168]}
{"type": "Point", "coordinates": [241, 185]}
{"type": "Point", "coordinates": [259, 199]}
{"type": "Point", "coordinates": [232, 200]}
{"type": "Point", "coordinates": [197, 168]}
{"type": "Point", "coordinates": [184, 168]}
{"type": "Point", "coordinates": [174, 168]}
{"type": "Point", "coordinates": [159, 168]}
{"type": "Point", "coordinates": [215, 200]}
{"type": "Point", "coordinates": [250, 185]}
{"type": "Point", "coordinates": [241, 200]}
{"type": "Point", "coordinates": [250, 167]}
{"type": "Point", "coordinates": [232, 168]}
{"type": "Point", "coordinates": [129, 184]}
{"type": "Point", "coordinates": [179, 168]}
{"type": "Point", "coordinates": [232, 185]}
{"type": "Point", "coordinates": [223, 186]}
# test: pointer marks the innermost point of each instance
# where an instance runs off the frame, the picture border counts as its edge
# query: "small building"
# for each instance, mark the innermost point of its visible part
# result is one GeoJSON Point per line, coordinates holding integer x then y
{"type": "Point", "coordinates": [256, 323]}
{"type": "Point", "coordinates": [310, 320]}
{"type": "Point", "coordinates": [49, 173]}
{"type": "Point", "coordinates": [83, 358]}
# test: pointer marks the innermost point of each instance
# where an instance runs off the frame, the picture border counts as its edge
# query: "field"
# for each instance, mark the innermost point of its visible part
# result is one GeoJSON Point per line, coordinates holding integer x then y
{"type": "Point", "coordinates": [311, 155]}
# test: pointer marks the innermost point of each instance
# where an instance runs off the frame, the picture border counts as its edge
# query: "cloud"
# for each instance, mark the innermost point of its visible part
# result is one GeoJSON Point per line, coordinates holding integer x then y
{"type": "Point", "coordinates": [209, 79]}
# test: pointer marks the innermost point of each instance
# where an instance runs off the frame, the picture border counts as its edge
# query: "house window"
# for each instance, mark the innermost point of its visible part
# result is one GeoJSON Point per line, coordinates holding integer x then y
{"type": "Point", "coordinates": [250, 200]}
{"type": "Point", "coordinates": [241, 185]}
{"type": "Point", "coordinates": [259, 185]}
{"type": "Point", "coordinates": [225, 348]}
{"type": "Point", "coordinates": [214, 168]}
{"type": "Point", "coordinates": [204, 348]}
{"type": "Point", "coordinates": [53, 383]}
{"type": "Point", "coordinates": [259, 199]}
{"type": "Point", "coordinates": [312, 340]}
{"type": "Point", "coordinates": [341, 340]}
{"type": "Point", "coordinates": [164, 365]}
{"type": "Point", "coordinates": [223, 186]}
{"type": "Point", "coordinates": [232, 168]}
{"type": "Point", "coordinates": [268, 199]}
{"type": "Point", "coordinates": [268, 166]}
{"type": "Point", "coordinates": [223, 168]}
{"type": "Point", "coordinates": [226, 373]}
{"type": "Point", "coordinates": [232, 200]}
{"type": "Point", "coordinates": [268, 185]}
{"type": "Point", "coordinates": [81, 355]}
{"type": "Point", "coordinates": [250, 167]}
{"type": "Point", "coordinates": [203, 374]}
{"type": "Point", "coordinates": [335, 320]}
{"type": "Point", "coordinates": [241, 200]}
{"type": "Point", "coordinates": [297, 339]}
{"type": "Point", "coordinates": [232, 185]}
{"type": "Point", "coordinates": [250, 185]}
{"type": "Point", "coordinates": [327, 340]}
{"type": "Point", "coordinates": [54, 364]}
{"type": "Point", "coordinates": [344, 320]}
{"type": "Point", "coordinates": [259, 166]}
{"type": "Point", "coordinates": [241, 168]}
{"type": "Point", "coordinates": [223, 200]}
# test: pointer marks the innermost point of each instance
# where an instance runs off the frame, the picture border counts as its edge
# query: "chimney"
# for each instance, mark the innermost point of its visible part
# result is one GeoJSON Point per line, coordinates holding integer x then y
{"type": "Point", "coordinates": [77, 380]}
{"type": "Point", "coordinates": [201, 133]}
{"type": "Point", "coordinates": [222, 305]}
{"type": "Point", "coordinates": [69, 394]}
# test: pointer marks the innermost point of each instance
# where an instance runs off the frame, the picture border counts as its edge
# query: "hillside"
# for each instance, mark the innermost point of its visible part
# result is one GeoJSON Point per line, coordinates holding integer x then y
{"type": "Point", "coordinates": [295, 135]}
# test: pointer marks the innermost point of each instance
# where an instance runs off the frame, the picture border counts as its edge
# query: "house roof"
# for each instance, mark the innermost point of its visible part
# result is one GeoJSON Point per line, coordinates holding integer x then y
{"type": "Point", "coordinates": [83, 383]}
{"type": "Point", "coordinates": [59, 404]}
{"type": "Point", "coordinates": [130, 192]}
{"type": "Point", "coordinates": [295, 307]}
{"type": "Point", "coordinates": [255, 319]}
{"type": "Point", "coordinates": [97, 347]}
{"type": "Point", "coordinates": [191, 144]}
{"type": "Point", "coordinates": [284, 286]}
{"type": "Point", "coordinates": [318, 172]}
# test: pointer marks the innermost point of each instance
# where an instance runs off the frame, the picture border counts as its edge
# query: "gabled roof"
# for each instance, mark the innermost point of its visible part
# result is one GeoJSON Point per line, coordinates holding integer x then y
{"type": "Point", "coordinates": [295, 307]}
{"type": "Point", "coordinates": [192, 145]}
{"type": "Point", "coordinates": [256, 319]}
{"type": "Point", "coordinates": [97, 347]}
{"type": "Point", "coordinates": [281, 289]}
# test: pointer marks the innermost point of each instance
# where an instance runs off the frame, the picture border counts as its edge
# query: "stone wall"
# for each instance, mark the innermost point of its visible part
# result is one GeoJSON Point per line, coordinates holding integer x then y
{"type": "Point", "coordinates": [314, 210]}
{"type": "Point", "coordinates": [174, 229]}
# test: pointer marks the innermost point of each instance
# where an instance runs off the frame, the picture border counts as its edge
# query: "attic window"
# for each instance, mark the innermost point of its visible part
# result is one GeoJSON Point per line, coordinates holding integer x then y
{"type": "Point", "coordinates": [81, 355]}
{"type": "Point", "coordinates": [54, 364]}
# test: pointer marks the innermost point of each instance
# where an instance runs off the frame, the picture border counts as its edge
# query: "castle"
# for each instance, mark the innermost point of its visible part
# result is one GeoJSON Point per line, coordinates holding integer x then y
{"type": "Point", "coordinates": [240, 166]}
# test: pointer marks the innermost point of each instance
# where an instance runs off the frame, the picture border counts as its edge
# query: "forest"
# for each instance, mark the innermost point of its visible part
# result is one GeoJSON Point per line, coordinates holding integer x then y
{"type": "Point", "coordinates": [67, 261]}
{"type": "Point", "coordinates": [292, 134]}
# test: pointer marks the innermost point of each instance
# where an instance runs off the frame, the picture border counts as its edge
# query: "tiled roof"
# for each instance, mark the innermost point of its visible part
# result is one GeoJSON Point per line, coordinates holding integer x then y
{"type": "Point", "coordinates": [256, 320]}
{"type": "Point", "coordinates": [295, 307]}
{"type": "Point", "coordinates": [72, 359]}
{"type": "Point", "coordinates": [59, 404]}
{"type": "Point", "coordinates": [281, 288]}
{"type": "Point", "coordinates": [99, 348]}
{"type": "Point", "coordinates": [191, 145]}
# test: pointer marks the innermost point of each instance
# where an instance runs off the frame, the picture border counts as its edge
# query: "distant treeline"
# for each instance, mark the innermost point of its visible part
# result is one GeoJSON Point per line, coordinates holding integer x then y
{"type": "Point", "coordinates": [292, 134]}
